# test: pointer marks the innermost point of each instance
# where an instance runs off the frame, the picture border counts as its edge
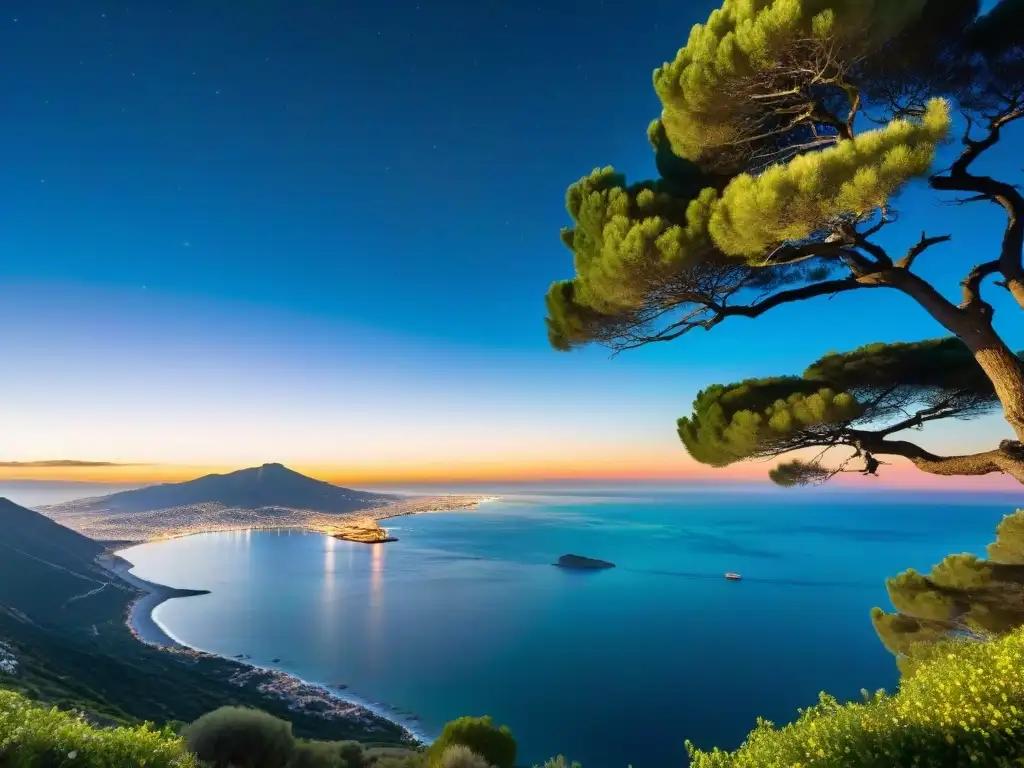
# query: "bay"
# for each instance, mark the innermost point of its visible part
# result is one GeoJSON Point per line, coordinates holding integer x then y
{"type": "Point", "coordinates": [465, 614]}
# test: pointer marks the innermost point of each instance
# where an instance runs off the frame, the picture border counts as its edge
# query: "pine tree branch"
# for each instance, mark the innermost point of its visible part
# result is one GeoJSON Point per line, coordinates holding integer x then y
{"type": "Point", "coordinates": [971, 286]}
{"type": "Point", "coordinates": [878, 252]}
{"type": "Point", "coordinates": [711, 313]}
{"type": "Point", "coordinates": [922, 245]}
{"type": "Point", "coordinates": [943, 410]}
{"type": "Point", "coordinates": [960, 179]}
{"type": "Point", "coordinates": [814, 290]}
{"type": "Point", "coordinates": [952, 317]}
{"type": "Point", "coordinates": [1002, 460]}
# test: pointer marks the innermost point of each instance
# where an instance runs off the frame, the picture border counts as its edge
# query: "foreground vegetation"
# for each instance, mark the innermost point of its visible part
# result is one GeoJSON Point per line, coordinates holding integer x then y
{"type": "Point", "coordinates": [962, 705]}
{"type": "Point", "coordinates": [31, 735]}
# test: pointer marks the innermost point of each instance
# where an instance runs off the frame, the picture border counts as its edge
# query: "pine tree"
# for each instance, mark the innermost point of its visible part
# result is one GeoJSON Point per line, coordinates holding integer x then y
{"type": "Point", "coordinates": [962, 596]}
{"type": "Point", "coordinates": [860, 400]}
{"type": "Point", "coordinates": [788, 130]}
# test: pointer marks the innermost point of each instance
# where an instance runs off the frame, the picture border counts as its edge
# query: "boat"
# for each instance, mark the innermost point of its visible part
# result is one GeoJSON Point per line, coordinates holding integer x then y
{"type": "Point", "coordinates": [733, 576]}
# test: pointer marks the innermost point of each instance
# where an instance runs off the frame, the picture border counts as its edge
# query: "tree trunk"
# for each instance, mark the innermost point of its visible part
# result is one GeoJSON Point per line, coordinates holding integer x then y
{"type": "Point", "coordinates": [1003, 369]}
{"type": "Point", "coordinates": [1016, 288]}
{"type": "Point", "coordinates": [972, 324]}
{"type": "Point", "coordinates": [979, 464]}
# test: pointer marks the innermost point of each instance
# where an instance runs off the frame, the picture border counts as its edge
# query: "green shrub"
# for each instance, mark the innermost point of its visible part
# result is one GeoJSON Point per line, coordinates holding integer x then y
{"type": "Point", "coordinates": [32, 736]}
{"type": "Point", "coordinates": [327, 754]}
{"type": "Point", "coordinates": [236, 737]}
{"type": "Point", "coordinates": [963, 706]}
{"type": "Point", "coordinates": [418, 760]}
{"type": "Point", "coordinates": [352, 754]}
{"type": "Point", "coordinates": [560, 762]}
{"type": "Point", "coordinates": [480, 734]}
{"type": "Point", "coordinates": [459, 756]}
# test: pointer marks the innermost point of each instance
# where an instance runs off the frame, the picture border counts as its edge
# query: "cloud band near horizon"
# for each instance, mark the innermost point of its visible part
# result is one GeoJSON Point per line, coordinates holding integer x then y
{"type": "Point", "coordinates": [65, 464]}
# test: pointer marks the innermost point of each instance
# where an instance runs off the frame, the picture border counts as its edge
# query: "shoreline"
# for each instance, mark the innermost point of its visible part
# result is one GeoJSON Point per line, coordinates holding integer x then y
{"type": "Point", "coordinates": [139, 618]}
{"type": "Point", "coordinates": [297, 692]}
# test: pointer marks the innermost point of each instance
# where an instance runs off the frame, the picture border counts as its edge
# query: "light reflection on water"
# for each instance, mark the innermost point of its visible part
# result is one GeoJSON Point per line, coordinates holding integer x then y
{"type": "Point", "coordinates": [376, 616]}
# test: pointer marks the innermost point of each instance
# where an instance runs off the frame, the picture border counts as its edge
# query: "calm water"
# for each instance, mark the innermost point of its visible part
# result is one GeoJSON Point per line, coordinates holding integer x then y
{"type": "Point", "coordinates": [465, 615]}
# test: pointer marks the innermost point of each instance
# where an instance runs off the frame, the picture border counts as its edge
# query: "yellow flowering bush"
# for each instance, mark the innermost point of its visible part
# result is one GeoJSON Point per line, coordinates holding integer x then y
{"type": "Point", "coordinates": [32, 736]}
{"type": "Point", "coordinates": [964, 706]}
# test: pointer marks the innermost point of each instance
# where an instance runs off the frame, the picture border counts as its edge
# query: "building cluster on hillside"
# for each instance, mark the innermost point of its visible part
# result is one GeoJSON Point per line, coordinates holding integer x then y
{"type": "Point", "coordinates": [305, 697]}
{"type": "Point", "coordinates": [210, 517]}
{"type": "Point", "coordinates": [8, 661]}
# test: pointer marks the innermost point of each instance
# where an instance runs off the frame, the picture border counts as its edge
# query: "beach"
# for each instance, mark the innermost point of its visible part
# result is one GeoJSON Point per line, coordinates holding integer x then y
{"type": "Point", "coordinates": [140, 613]}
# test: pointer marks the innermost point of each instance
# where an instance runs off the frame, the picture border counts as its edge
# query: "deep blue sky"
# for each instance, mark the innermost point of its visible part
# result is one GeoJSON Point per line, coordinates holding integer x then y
{"type": "Point", "coordinates": [250, 206]}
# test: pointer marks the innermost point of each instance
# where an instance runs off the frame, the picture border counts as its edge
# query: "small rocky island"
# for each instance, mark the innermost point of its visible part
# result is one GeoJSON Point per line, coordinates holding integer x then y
{"type": "Point", "coordinates": [363, 532]}
{"type": "Point", "coordinates": [579, 562]}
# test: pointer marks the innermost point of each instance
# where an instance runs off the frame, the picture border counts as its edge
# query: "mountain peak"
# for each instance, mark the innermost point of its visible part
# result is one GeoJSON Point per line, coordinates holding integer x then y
{"type": "Point", "coordinates": [268, 485]}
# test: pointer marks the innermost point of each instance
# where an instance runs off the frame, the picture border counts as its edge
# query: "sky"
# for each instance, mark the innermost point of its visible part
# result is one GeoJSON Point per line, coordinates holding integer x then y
{"type": "Point", "coordinates": [320, 233]}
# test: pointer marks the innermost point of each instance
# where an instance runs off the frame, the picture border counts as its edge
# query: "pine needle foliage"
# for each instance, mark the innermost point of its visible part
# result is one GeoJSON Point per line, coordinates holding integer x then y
{"type": "Point", "coordinates": [855, 399]}
{"type": "Point", "coordinates": [963, 595]}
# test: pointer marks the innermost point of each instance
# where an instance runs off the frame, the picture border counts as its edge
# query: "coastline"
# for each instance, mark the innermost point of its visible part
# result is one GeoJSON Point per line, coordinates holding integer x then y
{"type": "Point", "coordinates": [319, 698]}
{"type": "Point", "coordinates": [299, 694]}
{"type": "Point", "coordinates": [139, 618]}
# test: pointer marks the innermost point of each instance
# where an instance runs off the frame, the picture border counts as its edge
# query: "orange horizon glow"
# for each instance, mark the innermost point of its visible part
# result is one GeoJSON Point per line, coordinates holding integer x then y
{"type": "Point", "coordinates": [447, 472]}
{"type": "Point", "coordinates": [899, 474]}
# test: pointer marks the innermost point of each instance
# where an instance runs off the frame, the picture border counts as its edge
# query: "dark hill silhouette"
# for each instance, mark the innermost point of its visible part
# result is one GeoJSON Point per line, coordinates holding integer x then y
{"type": "Point", "coordinates": [38, 535]}
{"type": "Point", "coordinates": [271, 485]}
{"type": "Point", "coordinates": [43, 564]}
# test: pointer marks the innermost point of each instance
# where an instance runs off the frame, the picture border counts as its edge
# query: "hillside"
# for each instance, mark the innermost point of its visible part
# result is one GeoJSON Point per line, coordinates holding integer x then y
{"type": "Point", "coordinates": [271, 485]}
{"type": "Point", "coordinates": [45, 568]}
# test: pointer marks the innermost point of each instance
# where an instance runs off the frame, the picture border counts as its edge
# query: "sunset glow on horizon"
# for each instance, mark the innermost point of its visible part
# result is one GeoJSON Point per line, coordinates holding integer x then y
{"type": "Point", "coordinates": [681, 471]}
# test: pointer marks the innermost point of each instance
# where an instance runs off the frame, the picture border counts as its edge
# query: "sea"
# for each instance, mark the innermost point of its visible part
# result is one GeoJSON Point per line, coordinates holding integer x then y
{"type": "Point", "coordinates": [466, 615]}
